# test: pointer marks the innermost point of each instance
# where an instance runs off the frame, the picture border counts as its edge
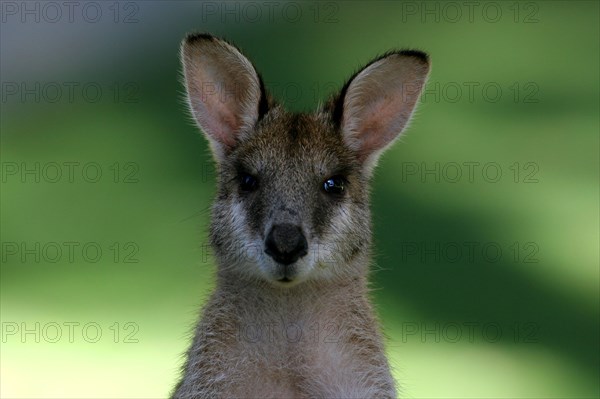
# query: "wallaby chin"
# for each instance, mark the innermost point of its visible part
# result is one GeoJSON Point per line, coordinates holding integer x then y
{"type": "Point", "coordinates": [291, 229]}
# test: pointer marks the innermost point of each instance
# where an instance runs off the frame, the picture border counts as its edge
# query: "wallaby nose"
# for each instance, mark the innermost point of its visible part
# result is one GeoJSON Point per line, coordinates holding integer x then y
{"type": "Point", "coordinates": [286, 243]}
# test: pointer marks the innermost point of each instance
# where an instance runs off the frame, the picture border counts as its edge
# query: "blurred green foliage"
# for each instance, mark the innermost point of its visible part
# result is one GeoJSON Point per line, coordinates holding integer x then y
{"type": "Point", "coordinates": [515, 94]}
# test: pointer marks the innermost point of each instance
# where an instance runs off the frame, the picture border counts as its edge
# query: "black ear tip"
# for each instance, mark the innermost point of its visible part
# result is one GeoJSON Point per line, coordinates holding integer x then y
{"type": "Point", "coordinates": [195, 37]}
{"type": "Point", "coordinates": [418, 54]}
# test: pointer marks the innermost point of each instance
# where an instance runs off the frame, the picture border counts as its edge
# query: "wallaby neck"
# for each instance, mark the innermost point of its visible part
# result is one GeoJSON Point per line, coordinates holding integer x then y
{"type": "Point", "coordinates": [314, 297]}
{"type": "Point", "coordinates": [308, 313]}
{"type": "Point", "coordinates": [231, 281]}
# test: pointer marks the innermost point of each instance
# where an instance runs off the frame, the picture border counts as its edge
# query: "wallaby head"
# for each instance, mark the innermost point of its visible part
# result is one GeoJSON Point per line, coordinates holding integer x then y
{"type": "Point", "coordinates": [293, 202]}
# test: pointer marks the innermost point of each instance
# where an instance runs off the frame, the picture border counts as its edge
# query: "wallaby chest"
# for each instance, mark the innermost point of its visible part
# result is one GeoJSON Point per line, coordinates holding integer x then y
{"type": "Point", "coordinates": [303, 348]}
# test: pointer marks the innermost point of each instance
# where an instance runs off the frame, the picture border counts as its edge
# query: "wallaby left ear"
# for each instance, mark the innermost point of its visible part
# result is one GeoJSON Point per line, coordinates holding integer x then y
{"type": "Point", "coordinates": [375, 106]}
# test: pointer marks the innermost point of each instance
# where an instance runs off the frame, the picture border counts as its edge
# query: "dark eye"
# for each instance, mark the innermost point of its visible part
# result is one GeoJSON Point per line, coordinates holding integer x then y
{"type": "Point", "coordinates": [248, 183]}
{"type": "Point", "coordinates": [335, 185]}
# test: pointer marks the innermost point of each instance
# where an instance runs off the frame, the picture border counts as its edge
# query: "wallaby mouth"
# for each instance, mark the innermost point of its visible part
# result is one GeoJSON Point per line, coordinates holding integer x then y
{"type": "Point", "coordinates": [286, 275]}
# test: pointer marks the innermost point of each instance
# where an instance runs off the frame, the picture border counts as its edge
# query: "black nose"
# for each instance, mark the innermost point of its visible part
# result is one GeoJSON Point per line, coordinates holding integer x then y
{"type": "Point", "coordinates": [285, 243]}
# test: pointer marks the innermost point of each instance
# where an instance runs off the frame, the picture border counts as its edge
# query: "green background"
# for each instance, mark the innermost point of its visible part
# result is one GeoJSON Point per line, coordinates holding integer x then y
{"type": "Point", "coordinates": [519, 323]}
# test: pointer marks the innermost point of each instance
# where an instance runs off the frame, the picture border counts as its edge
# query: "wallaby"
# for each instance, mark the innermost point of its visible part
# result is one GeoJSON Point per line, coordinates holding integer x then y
{"type": "Point", "coordinates": [291, 229]}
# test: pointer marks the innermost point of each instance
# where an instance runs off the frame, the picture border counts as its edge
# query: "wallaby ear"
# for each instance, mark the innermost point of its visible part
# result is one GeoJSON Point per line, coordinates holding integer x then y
{"type": "Point", "coordinates": [375, 105]}
{"type": "Point", "coordinates": [225, 93]}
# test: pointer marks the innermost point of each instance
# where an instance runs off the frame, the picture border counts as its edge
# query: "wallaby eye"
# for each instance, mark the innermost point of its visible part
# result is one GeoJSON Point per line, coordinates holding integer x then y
{"type": "Point", "coordinates": [248, 183]}
{"type": "Point", "coordinates": [335, 185]}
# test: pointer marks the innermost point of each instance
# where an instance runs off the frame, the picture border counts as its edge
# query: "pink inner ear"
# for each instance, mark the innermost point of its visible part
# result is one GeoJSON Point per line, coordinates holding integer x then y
{"type": "Point", "coordinates": [225, 124]}
{"type": "Point", "coordinates": [217, 115]}
{"type": "Point", "coordinates": [380, 125]}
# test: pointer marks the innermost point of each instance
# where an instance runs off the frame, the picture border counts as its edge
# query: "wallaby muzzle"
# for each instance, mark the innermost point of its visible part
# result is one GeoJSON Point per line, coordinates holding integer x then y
{"type": "Point", "coordinates": [286, 243]}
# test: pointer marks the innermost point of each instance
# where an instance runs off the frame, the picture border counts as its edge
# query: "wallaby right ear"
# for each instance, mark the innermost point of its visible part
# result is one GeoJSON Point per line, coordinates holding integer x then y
{"type": "Point", "coordinates": [225, 93]}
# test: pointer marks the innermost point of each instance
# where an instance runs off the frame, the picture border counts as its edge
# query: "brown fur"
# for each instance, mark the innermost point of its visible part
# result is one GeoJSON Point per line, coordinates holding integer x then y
{"type": "Point", "coordinates": [315, 335]}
